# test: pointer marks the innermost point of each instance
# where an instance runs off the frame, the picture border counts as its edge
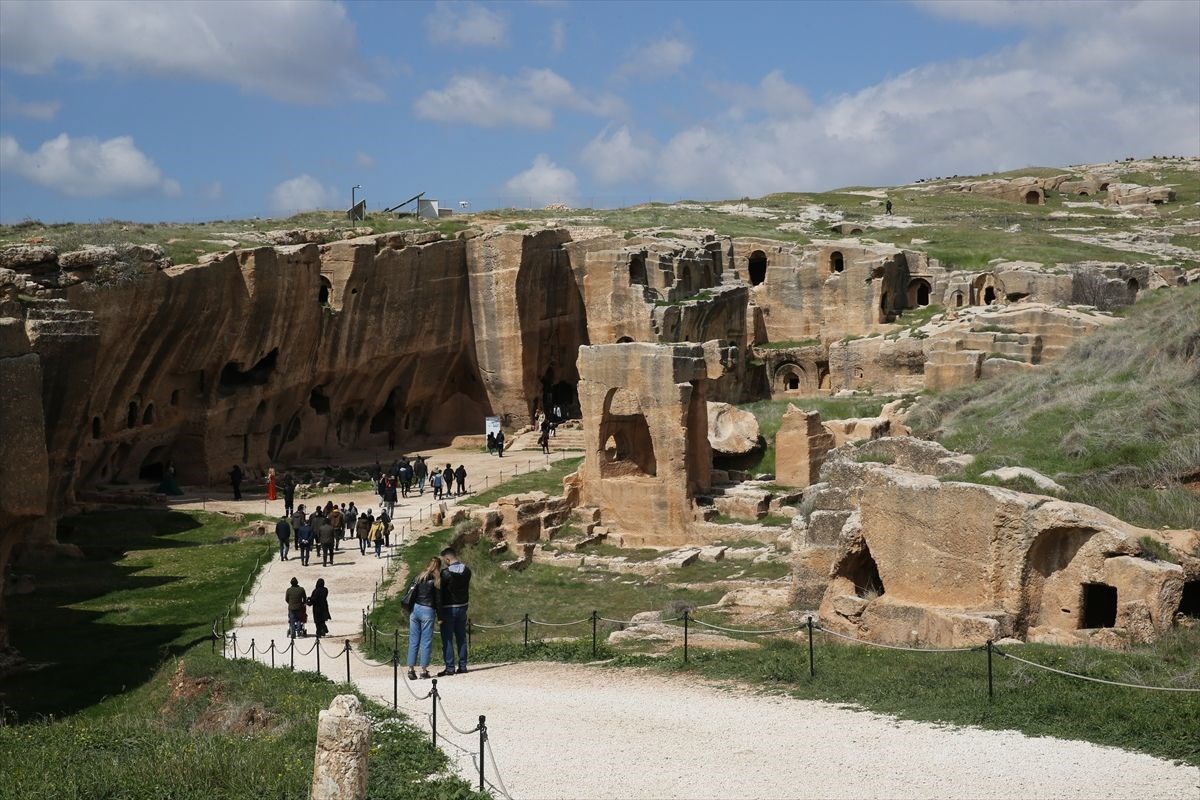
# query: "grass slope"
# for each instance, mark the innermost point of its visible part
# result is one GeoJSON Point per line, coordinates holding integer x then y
{"type": "Point", "coordinates": [538, 480]}
{"type": "Point", "coordinates": [149, 586]}
{"type": "Point", "coordinates": [770, 415]}
{"type": "Point", "coordinates": [1116, 420]}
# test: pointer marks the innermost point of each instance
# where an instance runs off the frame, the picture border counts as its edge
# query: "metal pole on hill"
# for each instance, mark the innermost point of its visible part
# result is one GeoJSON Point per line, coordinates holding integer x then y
{"type": "Point", "coordinates": [347, 661]}
{"type": "Point", "coordinates": [395, 679]}
{"type": "Point", "coordinates": [482, 744]}
{"type": "Point", "coordinates": [811, 669]}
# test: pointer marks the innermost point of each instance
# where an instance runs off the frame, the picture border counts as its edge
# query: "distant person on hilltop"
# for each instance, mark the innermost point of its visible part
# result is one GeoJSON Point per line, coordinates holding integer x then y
{"type": "Point", "coordinates": [888, 206]}
{"type": "Point", "coordinates": [235, 479]}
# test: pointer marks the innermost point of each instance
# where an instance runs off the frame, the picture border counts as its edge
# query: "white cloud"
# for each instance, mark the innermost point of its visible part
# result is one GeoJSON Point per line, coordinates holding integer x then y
{"type": "Point", "coordinates": [42, 110]}
{"type": "Point", "coordinates": [212, 191]}
{"type": "Point", "coordinates": [87, 167]}
{"type": "Point", "coordinates": [558, 37]}
{"type": "Point", "coordinates": [526, 101]}
{"type": "Point", "coordinates": [615, 156]}
{"type": "Point", "coordinates": [660, 58]}
{"type": "Point", "coordinates": [364, 160]}
{"type": "Point", "coordinates": [303, 52]}
{"type": "Point", "coordinates": [467, 25]}
{"type": "Point", "coordinates": [303, 193]}
{"type": "Point", "coordinates": [1118, 80]}
{"type": "Point", "coordinates": [544, 182]}
{"type": "Point", "coordinates": [774, 95]}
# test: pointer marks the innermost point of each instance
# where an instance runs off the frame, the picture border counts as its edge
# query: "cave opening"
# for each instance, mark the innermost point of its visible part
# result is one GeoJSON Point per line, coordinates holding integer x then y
{"type": "Point", "coordinates": [318, 401]}
{"type": "Point", "coordinates": [989, 296]}
{"type": "Point", "coordinates": [1189, 601]}
{"type": "Point", "coordinates": [837, 262]}
{"type": "Point", "coordinates": [637, 270]}
{"type": "Point", "coordinates": [1098, 606]}
{"type": "Point", "coordinates": [758, 267]}
{"type": "Point", "coordinates": [233, 377]}
{"type": "Point", "coordinates": [325, 290]}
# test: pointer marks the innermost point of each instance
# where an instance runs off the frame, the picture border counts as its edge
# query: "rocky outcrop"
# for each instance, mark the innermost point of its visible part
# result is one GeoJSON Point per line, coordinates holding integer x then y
{"type": "Point", "coordinates": [732, 431]}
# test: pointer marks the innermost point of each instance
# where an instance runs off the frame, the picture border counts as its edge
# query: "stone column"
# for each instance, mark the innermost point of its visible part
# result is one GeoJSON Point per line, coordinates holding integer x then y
{"type": "Point", "coordinates": [800, 447]}
{"type": "Point", "coordinates": [343, 743]}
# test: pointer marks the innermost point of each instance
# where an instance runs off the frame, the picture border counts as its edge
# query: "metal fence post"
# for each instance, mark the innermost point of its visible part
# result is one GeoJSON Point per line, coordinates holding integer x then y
{"type": "Point", "coordinates": [214, 644]}
{"type": "Point", "coordinates": [396, 640]}
{"type": "Point", "coordinates": [292, 652]}
{"type": "Point", "coordinates": [526, 630]}
{"type": "Point", "coordinates": [317, 647]}
{"type": "Point", "coordinates": [395, 679]}
{"type": "Point", "coordinates": [233, 643]}
{"type": "Point", "coordinates": [811, 669]}
{"type": "Point", "coordinates": [989, 654]}
{"type": "Point", "coordinates": [272, 654]}
{"type": "Point", "coordinates": [347, 660]}
{"type": "Point", "coordinates": [482, 743]}
{"type": "Point", "coordinates": [685, 635]}
{"type": "Point", "coordinates": [433, 693]}
{"type": "Point", "coordinates": [594, 615]}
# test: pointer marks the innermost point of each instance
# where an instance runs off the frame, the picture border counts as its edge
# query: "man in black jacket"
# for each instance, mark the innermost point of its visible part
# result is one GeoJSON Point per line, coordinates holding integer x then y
{"type": "Point", "coordinates": [456, 593]}
{"type": "Point", "coordinates": [235, 479]}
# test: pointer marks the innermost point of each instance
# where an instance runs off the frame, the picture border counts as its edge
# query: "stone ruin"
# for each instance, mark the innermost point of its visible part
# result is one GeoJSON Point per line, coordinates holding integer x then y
{"type": "Point", "coordinates": [116, 363]}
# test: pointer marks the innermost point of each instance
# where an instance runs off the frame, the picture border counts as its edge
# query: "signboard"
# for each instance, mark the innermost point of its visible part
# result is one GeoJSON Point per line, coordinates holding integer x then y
{"type": "Point", "coordinates": [492, 426]}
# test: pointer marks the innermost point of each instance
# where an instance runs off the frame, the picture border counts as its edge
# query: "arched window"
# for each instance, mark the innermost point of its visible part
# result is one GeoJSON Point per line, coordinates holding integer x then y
{"type": "Point", "coordinates": [918, 293]}
{"type": "Point", "coordinates": [325, 291]}
{"type": "Point", "coordinates": [132, 417]}
{"type": "Point", "coordinates": [758, 267]}
{"type": "Point", "coordinates": [836, 262]}
{"type": "Point", "coordinates": [1033, 198]}
{"type": "Point", "coordinates": [989, 296]}
{"type": "Point", "coordinates": [148, 415]}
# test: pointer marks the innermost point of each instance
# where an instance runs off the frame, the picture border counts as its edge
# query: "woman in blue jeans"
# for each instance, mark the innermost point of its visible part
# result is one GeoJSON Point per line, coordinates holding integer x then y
{"type": "Point", "coordinates": [427, 601]}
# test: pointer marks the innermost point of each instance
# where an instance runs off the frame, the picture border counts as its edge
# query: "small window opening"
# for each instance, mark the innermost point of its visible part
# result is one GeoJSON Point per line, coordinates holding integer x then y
{"type": "Point", "coordinates": [989, 296]}
{"type": "Point", "coordinates": [325, 291]}
{"type": "Point", "coordinates": [95, 427]}
{"type": "Point", "coordinates": [1189, 603]}
{"type": "Point", "coordinates": [793, 382]}
{"type": "Point", "coordinates": [836, 262]}
{"type": "Point", "coordinates": [758, 267]}
{"type": "Point", "coordinates": [148, 415]}
{"type": "Point", "coordinates": [132, 417]}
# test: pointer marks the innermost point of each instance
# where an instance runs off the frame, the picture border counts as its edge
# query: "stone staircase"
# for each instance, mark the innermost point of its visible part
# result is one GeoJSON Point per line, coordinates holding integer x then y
{"type": "Point", "coordinates": [569, 436]}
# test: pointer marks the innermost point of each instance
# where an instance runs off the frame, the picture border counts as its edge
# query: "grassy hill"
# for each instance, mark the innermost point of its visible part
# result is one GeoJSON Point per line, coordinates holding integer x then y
{"type": "Point", "coordinates": [1116, 420]}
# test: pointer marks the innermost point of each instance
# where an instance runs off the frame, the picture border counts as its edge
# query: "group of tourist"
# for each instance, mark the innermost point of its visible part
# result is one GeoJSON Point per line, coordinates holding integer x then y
{"type": "Point", "coordinates": [406, 478]}
{"type": "Point", "coordinates": [298, 603]}
{"type": "Point", "coordinates": [327, 527]}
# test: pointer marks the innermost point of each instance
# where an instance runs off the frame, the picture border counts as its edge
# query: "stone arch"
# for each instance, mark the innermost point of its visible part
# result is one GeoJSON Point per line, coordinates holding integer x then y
{"type": "Point", "coordinates": [919, 291]}
{"type": "Point", "coordinates": [624, 340]}
{"type": "Point", "coordinates": [626, 446]}
{"type": "Point", "coordinates": [986, 289]}
{"type": "Point", "coordinates": [637, 270]}
{"type": "Point", "coordinates": [148, 414]}
{"type": "Point", "coordinates": [757, 267]}
{"type": "Point", "coordinates": [131, 416]}
{"type": "Point", "coordinates": [1033, 197]}
{"type": "Point", "coordinates": [685, 279]}
{"type": "Point", "coordinates": [1053, 589]}
{"type": "Point", "coordinates": [1134, 288]}
{"type": "Point", "coordinates": [837, 262]}
{"type": "Point", "coordinates": [324, 291]}
{"type": "Point", "coordinates": [1083, 193]}
{"type": "Point", "coordinates": [791, 377]}
{"type": "Point", "coordinates": [956, 299]}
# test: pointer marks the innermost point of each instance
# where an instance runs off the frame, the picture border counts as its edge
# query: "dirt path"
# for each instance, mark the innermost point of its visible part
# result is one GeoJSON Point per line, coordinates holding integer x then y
{"type": "Point", "coordinates": [586, 731]}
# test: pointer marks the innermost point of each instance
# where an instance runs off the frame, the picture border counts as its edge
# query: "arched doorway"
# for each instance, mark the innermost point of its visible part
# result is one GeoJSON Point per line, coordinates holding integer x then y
{"type": "Point", "coordinates": [989, 295]}
{"type": "Point", "coordinates": [758, 267]}
{"type": "Point", "coordinates": [1033, 198]}
{"type": "Point", "coordinates": [918, 293]}
{"type": "Point", "coordinates": [790, 377]}
{"type": "Point", "coordinates": [836, 262]}
{"type": "Point", "coordinates": [324, 292]}
{"type": "Point", "coordinates": [685, 279]}
{"type": "Point", "coordinates": [958, 299]}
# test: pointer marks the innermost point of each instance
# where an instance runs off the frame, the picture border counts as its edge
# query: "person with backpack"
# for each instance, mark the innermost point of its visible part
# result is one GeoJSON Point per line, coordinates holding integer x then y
{"type": "Point", "coordinates": [377, 535]}
{"type": "Point", "coordinates": [436, 482]}
{"type": "Point", "coordinates": [455, 595]}
{"type": "Point", "coordinates": [460, 475]}
{"type": "Point", "coordinates": [423, 602]}
{"type": "Point", "coordinates": [363, 530]}
{"type": "Point", "coordinates": [283, 532]}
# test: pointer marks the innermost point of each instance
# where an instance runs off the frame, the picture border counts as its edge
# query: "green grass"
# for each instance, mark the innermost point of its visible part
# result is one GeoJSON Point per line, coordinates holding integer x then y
{"type": "Point", "coordinates": [1115, 420]}
{"type": "Point", "coordinates": [772, 520]}
{"type": "Point", "coordinates": [789, 344]}
{"type": "Point", "coordinates": [770, 415]}
{"type": "Point", "coordinates": [157, 742]}
{"type": "Point", "coordinates": [729, 569]}
{"type": "Point", "coordinates": [149, 587]}
{"type": "Point", "coordinates": [952, 688]}
{"type": "Point", "coordinates": [539, 480]}
{"type": "Point", "coordinates": [546, 593]}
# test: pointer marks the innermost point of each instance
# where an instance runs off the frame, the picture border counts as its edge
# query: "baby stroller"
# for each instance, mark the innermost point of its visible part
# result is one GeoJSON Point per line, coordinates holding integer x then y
{"type": "Point", "coordinates": [302, 619]}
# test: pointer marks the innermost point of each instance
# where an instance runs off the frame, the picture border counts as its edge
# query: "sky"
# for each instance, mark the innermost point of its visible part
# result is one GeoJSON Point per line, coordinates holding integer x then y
{"type": "Point", "coordinates": [127, 109]}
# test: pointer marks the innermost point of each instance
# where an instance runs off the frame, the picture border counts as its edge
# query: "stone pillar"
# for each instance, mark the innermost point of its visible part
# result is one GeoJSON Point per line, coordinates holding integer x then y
{"type": "Point", "coordinates": [343, 743]}
{"type": "Point", "coordinates": [800, 447]}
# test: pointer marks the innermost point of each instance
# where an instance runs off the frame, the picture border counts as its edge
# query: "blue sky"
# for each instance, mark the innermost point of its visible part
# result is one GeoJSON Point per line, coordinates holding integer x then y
{"type": "Point", "coordinates": [190, 110]}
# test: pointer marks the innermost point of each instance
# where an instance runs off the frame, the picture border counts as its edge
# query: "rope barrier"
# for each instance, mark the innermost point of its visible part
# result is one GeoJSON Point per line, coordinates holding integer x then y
{"type": "Point", "coordinates": [899, 647]}
{"type": "Point", "coordinates": [1093, 680]}
{"type": "Point", "coordinates": [751, 632]}
{"type": "Point", "coordinates": [450, 722]}
{"type": "Point", "coordinates": [560, 624]}
{"type": "Point", "coordinates": [498, 627]}
{"type": "Point", "coordinates": [495, 769]}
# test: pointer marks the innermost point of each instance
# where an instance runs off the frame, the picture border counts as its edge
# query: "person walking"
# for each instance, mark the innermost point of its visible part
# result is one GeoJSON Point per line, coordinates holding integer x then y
{"type": "Point", "coordinates": [405, 475]}
{"type": "Point", "coordinates": [363, 530]}
{"type": "Point", "coordinates": [339, 527]}
{"type": "Point", "coordinates": [447, 481]}
{"type": "Point", "coordinates": [319, 600]}
{"type": "Point", "coordinates": [456, 590]}
{"type": "Point", "coordinates": [289, 492]}
{"type": "Point", "coordinates": [460, 475]}
{"type": "Point", "coordinates": [298, 519]}
{"type": "Point", "coordinates": [389, 496]}
{"type": "Point", "coordinates": [491, 443]}
{"type": "Point", "coordinates": [304, 542]}
{"type": "Point", "coordinates": [386, 519]}
{"type": "Point", "coordinates": [425, 602]}
{"type": "Point", "coordinates": [326, 539]}
{"type": "Point", "coordinates": [421, 473]}
{"type": "Point", "coordinates": [544, 441]}
{"type": "Point", "coordinates": [500, 443]}
{"type": "Point", "coordinates": [283, 532]}
{"type": "Point", "coordinates": [295, 599]}
{"type": "Point", "coordinates": [351, 517]}
{"type": "Point", "coordinates": [888, 206]}
{"type": "Point", "coordinates": [377, 529]}
{"type": "Point", "coordinates": [436, 482]}
{"type": "Point", "coordinates": [235, 478]}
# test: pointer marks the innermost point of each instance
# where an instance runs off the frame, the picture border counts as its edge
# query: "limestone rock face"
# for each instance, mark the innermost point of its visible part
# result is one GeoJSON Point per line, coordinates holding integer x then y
{"type": "Point", "coordinates": [1013, 473]}
{"type": "Point", "coordinates": [731, 431]}
{"type": "Point", "coordinates": [800, 447]}
{"type": "Point", "coordinates": [645, 423]}
{"type": "Point", "coordinates": [343, 745]}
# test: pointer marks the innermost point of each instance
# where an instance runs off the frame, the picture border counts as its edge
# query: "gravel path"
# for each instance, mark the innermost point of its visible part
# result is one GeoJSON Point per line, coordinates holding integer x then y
{"type": "Point", "coordinates": [570, 731]}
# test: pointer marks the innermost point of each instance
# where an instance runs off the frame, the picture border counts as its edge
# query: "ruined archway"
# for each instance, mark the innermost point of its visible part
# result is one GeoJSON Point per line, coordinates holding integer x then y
{"type": "Point", "coordinates": [325, 291]}
{"type": "Point", "coordinates": [919, 291]}
{"type": "Point", "coordinates": [757, 267]}
{"type": "Point", "coordinates": [1054, 594]}
{"type": "Point", "coordinates": [685, 279]}
{"type": "Point", "coordinates": [957, 299]}
{"type": "Point", "coordinates": [1033, 198]}
{"type": "Point", "coordinates": [627, 449]}
{"type": "Point", "coordinates": [837, 263]}
{"type": "Point", "coordinates": [791, 377]}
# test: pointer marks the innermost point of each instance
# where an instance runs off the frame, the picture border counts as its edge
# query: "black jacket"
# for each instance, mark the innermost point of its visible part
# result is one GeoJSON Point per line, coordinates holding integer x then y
{"type": "Point", "coordinates": [456, 585]}
{"type": "Point", "coordinates": [427, 594]}
{"type": "Point", "coordinates": [283, 531]}
{"type": "Point", "coordinates": [319, 600]}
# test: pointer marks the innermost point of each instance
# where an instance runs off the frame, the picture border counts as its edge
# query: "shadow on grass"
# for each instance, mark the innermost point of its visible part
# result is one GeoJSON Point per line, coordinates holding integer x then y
{"type": "Point", "coordinates": [98, 626]}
